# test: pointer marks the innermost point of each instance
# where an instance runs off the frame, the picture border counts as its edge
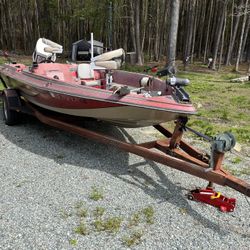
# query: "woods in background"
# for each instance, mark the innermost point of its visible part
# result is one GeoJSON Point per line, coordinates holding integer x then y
{"type": "Point", "coordinates": [217, 29]}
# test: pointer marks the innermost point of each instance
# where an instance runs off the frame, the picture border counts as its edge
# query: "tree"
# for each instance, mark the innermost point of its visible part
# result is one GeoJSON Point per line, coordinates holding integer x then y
{"type": "Point", "coordinates": [137, 32]}
{"type": "Point", "coordinates": [233, 33]}
{"type": "Point", "coordinates": [241, 36]}
{"type": "Point", "coordinates": [153, 27]}
{"type": "Point", "coordinates": [172, 38]}
{"type": "Point", "coordinates": [219, 32]}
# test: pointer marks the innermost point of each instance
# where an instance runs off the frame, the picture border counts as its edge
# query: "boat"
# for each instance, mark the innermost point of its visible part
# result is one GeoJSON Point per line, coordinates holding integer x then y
{"type": "Point", "coordinates": [97, 89]}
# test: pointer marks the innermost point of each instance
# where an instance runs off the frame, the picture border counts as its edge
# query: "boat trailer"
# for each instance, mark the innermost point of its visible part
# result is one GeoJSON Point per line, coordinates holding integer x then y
{"type": "Point", "coordinates": [172, 151]}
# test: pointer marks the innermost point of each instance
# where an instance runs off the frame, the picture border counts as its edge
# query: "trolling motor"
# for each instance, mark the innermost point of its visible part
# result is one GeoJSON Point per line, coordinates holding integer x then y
{"type": "Point", "coordinates": [176, 83]}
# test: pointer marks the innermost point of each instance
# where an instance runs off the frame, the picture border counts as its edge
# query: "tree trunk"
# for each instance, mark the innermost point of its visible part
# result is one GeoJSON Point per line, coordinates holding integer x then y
{"type": "Point", "coordinates": [219, 31]}
{"type": "Point", "coordinates": [246, 33]}
{"type": "Point", "coordinates": [208, 31]}
{"type": "Point", "coordinates": [190, 25]}
{"type": "Point", "coordinates": [145, 18]}
{"type": "Point", "coordinates": [157, 28]}
{"type": "Point", "coordinates": [222, 41]}
{"type": "Point", "coordinates": [137, 33]}
{"type": "Point", "coordinates": [232, 41]}
{"type": "Point", "coordinates": [132, 13]}
{"type": "Point", "coordinates": [241, 37]}
{"type": "Point", "coordinates": [37, 19]}
{"type": "Point", "coordinates": [172, 38]}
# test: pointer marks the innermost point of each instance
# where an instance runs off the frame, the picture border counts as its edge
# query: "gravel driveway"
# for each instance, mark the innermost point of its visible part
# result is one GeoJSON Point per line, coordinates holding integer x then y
{"type": "Point", "coordinates": [49, 181]}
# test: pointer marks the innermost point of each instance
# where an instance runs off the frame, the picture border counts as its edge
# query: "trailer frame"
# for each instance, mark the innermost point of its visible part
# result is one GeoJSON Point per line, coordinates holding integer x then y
{"type": "Point", "coordinates": [172, 151]}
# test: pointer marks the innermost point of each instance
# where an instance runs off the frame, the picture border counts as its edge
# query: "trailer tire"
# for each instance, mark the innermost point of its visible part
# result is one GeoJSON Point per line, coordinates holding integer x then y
{"type": "Point", "coordinates": [10, 117]}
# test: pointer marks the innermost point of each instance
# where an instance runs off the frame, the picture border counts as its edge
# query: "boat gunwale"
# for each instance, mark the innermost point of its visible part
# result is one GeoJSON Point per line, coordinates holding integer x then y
{"type": "Point", "coordinates": [30, 75]}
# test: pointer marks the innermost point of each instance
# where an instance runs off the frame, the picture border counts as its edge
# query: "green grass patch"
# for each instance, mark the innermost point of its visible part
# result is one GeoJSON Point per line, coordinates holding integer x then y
{"type": "Point", "coordinates": [111, 224]}
{"type": "Point", "coordinates": [73, 242]}
{"type": "Point", "coordinates": [82, 212]}
{"type": "Point", "coordinates": [82, 229]}
{"type": "Point", "coordinates": [99, 212]}
{"type": "Point", "coordinates": [134, 239]}
{"type": "Point", "coordinates": [236, 160]}
{"type": "Point", "coordinates": [96, 194]}
{"type": "Point", "coordinates": [221, 104]}
{"type": "Point", "coordinates": [148, 212]}
{"type": "Point", "coordinates": [96, 222]}
{"type": "Point", "coordinates": [3, 60]}
{"type": "Point", "coordinates": [135, 219]}
{"type": "Point", "coordinates": [79, 204]}
{"type": "Point", "coordinates": [134, 68]}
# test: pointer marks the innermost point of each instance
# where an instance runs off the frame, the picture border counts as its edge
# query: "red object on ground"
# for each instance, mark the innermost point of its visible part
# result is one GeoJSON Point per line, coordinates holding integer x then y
{"type": "Point", "coordinates": [213, 198]}
{"type": "Point", "coordinates": [154, 69]}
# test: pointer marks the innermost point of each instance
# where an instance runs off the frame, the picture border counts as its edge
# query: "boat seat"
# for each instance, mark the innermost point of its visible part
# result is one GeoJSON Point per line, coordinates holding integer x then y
{"type": "Point", "coordinates": [109, 64]}
{"type": "Point", "coordinates": [87, 75]}
{"type": "Point", "coordinates": [84, 71]}
{"type": "Point", "coordinates": [93, 83]}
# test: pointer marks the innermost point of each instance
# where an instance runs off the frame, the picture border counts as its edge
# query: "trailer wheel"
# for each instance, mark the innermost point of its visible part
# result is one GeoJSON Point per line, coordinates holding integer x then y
{"type": "Point", "coordinates": [190, 197]}
{"type": "Point", "coordinates": [11, 117]}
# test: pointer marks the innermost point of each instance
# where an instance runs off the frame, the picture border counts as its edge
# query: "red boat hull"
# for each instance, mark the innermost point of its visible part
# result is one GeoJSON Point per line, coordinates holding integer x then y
{"type": "Point", "coordinates": [132, 110]}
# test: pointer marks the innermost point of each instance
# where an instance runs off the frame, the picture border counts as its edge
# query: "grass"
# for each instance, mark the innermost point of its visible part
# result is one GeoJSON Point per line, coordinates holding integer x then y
{"type": "Point", "coordinates": [82, 229]}
{"type": "Point", "coordinates": [111, 224]}
{"type": "Point", "coordinates": [134, 239]}
{"type": "Point", "coordinates": [73, 242]}
{"type": "Point", "coordinates": [65, 214]}
{"type": "Point", "coordinates": [148, 213]}
{"type": "Point", "coordinates": [236, 160]}
{"type": "Point", "coordinates": [98, 212]}
{"type": "Point", "coordinates": [135, 219]}
{"type": "Point", "coordinates": [79, 204]}
{"type": "Point", "coordinates": [96, 194]}
{"type": "Point", "coordinates": [27, 60]}
{"type": "Point", "coordinates": [238, 171]}
{"type": "Point", "coordinates": [223, 106]}
{"type": "Point", "coordinates": [96, 222]}
{"type": "Point", "coordinates": [82, 212]}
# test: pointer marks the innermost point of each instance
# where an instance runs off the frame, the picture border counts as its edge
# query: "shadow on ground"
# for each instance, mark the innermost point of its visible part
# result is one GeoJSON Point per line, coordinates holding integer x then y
{"type": "Point", "coordinates": [62, 145]}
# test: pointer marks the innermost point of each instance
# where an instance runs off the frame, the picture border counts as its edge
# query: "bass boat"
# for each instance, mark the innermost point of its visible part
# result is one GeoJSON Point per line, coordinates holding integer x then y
{"type": "Point", "coordinates": [97, 89]}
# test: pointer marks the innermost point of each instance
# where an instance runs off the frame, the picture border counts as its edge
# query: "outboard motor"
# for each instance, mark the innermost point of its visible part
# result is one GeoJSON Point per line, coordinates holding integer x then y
{"type": "Point", "coordinates": [46, 51]}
